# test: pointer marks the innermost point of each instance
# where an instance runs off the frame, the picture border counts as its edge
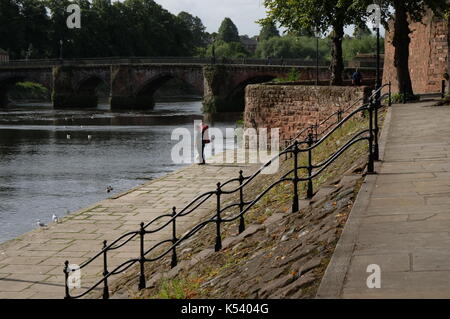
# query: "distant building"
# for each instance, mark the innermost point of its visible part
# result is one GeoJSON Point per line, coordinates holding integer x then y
{"type": "Point", "coordinates": [4, 56]}
{"type": "Point", "coordinates": [249, 43]}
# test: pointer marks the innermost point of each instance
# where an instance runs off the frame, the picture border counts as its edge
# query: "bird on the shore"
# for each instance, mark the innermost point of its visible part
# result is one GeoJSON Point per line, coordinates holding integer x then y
{"type": "Point", "coordinates": [40, 224]}
{"type": "Point", "coordinates": [68, 136]}
{"type": "Point", "coordinates": [55, 219]}
{"type": "Point", "coordinates": [89, 137]}
{"type": "Point", "coordinates": [109, 189]}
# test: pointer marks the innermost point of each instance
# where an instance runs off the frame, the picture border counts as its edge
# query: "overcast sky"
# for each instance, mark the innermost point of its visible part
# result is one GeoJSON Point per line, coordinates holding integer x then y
{"type": "Point", "coordinates": [244, 13]}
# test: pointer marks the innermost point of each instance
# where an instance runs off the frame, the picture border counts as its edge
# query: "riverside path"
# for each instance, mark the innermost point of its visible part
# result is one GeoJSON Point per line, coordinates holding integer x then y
{"type": "Point", "coordinates": [31, 266]}
{"type": "Point", "coordinates": [401, 218]}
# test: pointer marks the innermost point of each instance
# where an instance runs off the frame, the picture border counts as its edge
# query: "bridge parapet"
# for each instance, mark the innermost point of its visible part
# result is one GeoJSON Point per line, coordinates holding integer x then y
{"type": "Point", "coordinates": [133, 84]}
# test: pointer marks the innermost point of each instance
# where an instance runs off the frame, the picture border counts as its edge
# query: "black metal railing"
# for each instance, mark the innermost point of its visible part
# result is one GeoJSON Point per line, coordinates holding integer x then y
{"type": "Point", "coordinates": [313, 170]}
{"type": "Point", "coordinates": [165, 60]}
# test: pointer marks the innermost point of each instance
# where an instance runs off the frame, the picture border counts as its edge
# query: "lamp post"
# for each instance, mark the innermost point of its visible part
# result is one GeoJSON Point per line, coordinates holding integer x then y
{"type": "Point", "coordinates": [61, 50]}
{"type": "Point", "coordinates": [317, 35]}
{"type": "Point", "coordinates": [377, 26]}
{"type": "Point", "coordinates": [214, 50]}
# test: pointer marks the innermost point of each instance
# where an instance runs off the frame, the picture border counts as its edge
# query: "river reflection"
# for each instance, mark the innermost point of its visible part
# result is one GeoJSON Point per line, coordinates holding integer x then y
{"type": "Point", "coordinates": [43, 172]}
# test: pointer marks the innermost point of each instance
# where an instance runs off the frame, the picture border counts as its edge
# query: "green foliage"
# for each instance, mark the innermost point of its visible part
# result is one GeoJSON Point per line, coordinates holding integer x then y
{"type": "Point", "coordinates": [362, 44]}
{"type": "Point", "coordinates": [122, 28]}
{"type": "Point", "coordinates": [197, 29]}
{"type": "Point", "coordinates": [293, 47]}
{"type": "Point", "coordinates": [228, 32]}
{"type": "Point", "coordinates": [400, 97]}
{"type": "Point", "coordinates": [29, 91]}
{"type": "Point", "coordinates": [361, 30]}
{"type": "Point", "coordinates": [228, 50]}
{"type": "Point", "coordinates": [268, 31]}
{"type": "Point", "coordinates": [293, 76]}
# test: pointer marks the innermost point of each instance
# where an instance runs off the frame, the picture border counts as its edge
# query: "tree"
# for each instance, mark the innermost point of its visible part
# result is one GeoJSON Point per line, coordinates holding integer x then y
{"type": "Point", "coordinates": [231, 50]}
{"type": "Point", "coordinates": [196, 27]}
{"type": "Point", "coordinates": [228, 32]}
{"type": "Point", "coordinates": [268, 30]}
{"type": "Point", "coordinates": [320, 15]}
{"type": "Point", "coordinates": [292, 47]}
{"type": "Point", "coordinates": [361, 30]}
{"type": "Point", "coordinates": [405, 11]}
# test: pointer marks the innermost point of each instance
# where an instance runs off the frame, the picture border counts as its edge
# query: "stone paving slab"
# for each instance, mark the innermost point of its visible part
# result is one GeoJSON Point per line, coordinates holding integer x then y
{"type": "Point", "coordinates": [31, 266]}
{"type": "Point", "coordinates": [401, 219]}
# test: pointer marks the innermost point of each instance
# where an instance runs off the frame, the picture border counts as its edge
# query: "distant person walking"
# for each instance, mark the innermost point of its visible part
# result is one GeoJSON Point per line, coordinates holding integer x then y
{"type": "Point", "coordinates": [357, 78]}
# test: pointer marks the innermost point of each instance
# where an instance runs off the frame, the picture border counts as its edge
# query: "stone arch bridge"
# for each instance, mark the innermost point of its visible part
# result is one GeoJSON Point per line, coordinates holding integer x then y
{"type": "Point", "coordinates": [132, 85]}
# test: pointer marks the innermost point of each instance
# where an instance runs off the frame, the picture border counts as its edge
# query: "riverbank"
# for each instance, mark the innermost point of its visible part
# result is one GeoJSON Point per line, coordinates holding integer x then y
{"type": "Point", "coordinates": [31, 265]}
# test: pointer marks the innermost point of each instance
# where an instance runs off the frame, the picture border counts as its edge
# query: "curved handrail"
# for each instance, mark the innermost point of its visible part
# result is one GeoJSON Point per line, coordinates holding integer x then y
{"type": "Point", "coordinates": [245, 206]}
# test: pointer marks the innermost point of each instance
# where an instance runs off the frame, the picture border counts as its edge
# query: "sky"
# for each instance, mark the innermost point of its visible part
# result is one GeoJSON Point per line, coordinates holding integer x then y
{"type": "Point", "coordinates": [244, 13]}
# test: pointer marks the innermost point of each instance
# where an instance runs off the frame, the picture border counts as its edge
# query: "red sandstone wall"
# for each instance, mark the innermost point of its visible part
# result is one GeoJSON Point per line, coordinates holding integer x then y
{"type": "Point", "coordinates": [428, 60]}
{"type": "Point", "coordinates": [294, 107]}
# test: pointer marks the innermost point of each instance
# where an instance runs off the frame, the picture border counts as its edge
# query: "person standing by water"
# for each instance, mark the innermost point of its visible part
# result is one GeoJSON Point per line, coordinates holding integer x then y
{"type": "Point", "coordinates": [202, 140]}
{"type": "Point", "coordinates": [357, 78]}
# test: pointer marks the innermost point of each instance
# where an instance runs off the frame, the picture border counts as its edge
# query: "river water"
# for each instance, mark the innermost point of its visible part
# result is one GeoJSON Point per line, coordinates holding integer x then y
{"type": "Point", "coordinates": [43, 172]}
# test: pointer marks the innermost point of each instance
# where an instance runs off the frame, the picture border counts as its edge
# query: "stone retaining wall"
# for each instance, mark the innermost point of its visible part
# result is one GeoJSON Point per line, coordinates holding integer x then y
{"type": "Point", "coordinates": [293, 107]}
{"type": "Point", "coordinates": [428, 59]}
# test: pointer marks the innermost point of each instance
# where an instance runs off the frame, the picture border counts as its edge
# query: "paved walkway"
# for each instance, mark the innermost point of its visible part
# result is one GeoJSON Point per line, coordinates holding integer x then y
{"type": "Point", "coordinates": [31, 266]}
{"type": "Point", "coordinates": [401, 219]}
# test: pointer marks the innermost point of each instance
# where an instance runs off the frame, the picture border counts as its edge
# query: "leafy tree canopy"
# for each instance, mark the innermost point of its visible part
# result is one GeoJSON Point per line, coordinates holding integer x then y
{"type": "Point", "coordinates": [228, 32]}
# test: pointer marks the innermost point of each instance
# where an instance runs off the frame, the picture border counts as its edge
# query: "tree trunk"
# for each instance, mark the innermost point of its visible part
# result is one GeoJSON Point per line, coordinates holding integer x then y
{"type": "Point", "coordinates": [401, 43]}
{"type": "Point", "coordinates": [337, 60]}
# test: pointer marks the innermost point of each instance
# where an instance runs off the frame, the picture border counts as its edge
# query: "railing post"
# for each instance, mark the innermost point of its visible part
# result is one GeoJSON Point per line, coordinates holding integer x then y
{"type": "Point", "coordinates": [317, 130]}
{"type": "Point", "coordinates": [142, 258]}
{"type": "Point", "coordinates": [370, 166]}
{"type": "Point", "coordinates": [443, 89]}
{"type": "Point", "coordinates": [66, 276]}
{"type": "Point", "coordinates": [241, 202]}
{"type": "Point", "coordinates": [174, 262]}
{"type": "Point", "coordinates": [105, 271]}
{"type": "Point", "coordinates": [286, 143]}
{"type": "Point", "coordinates": [310, 191]}
{"type": "Point", "coordinates": [390, 93]}
{"type": "Point", "coordinates": [218, 219]}
{"type": "Point", "coordinates": [376, 152]}
{"type": "Point", "coordinates": [295, 179]}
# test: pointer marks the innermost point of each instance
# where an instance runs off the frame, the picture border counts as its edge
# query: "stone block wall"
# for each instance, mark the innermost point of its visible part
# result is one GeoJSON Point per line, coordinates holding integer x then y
{"type": "Point", "coordinates": [429, 50]}
{"type": "Point", "coordinates": [294, 107]}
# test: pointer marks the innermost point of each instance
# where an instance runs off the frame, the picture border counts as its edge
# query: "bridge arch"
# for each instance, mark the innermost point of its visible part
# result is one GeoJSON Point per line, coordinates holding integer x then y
{"type": "Point", "coordinates": [145, 93]}
{"type": "Point", "coordinates": [91, 87]}
{"type": "Point", "coordinates": [10, 80]}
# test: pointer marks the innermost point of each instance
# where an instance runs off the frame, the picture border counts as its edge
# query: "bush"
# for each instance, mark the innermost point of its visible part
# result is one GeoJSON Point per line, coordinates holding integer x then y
{"type": "Point", "coordinates": [291, 47]}
{"type": "Point", "coordinates": [293, 76]}
{"type": "Point", "coordinates": [364, 44]}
